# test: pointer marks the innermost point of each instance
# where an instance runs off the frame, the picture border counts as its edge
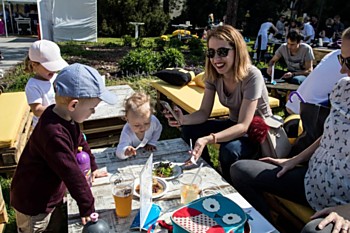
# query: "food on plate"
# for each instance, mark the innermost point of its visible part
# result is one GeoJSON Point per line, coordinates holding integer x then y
{"type": "Point", "coordinates": [163, 170]}
{"type": "Point", "coordinates": [157, 187]}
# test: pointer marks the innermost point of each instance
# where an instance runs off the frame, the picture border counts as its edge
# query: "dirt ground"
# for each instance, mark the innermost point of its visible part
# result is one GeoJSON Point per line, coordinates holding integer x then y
{"type": "Point", "coordinates": [103, 59]}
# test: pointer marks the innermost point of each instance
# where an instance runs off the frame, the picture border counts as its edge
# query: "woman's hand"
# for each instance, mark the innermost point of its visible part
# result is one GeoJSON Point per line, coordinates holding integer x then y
{"type": "Point", "coordinates": [286, 164]}
{"type": "Point", "coordinates": [199, 146]}
{"type": "Point", "coordinates": [99, 174]}
{"type": "Point", "coordinates": [341, 225]}
{"type": "Point", "coordinates": [171, 120]}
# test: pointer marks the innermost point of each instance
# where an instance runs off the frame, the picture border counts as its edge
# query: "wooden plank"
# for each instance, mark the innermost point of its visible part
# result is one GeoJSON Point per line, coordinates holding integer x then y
{"type": "Point", "coordinates": [10, 156]}
{"type": "Point", "coordinates": [103, 129]}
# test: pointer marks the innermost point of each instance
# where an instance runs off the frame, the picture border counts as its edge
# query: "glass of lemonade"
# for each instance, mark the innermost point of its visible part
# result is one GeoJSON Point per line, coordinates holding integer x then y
{"type": "Point", "coordinates": [188, 191]}
{"type": "Point", "coordinates": [122, 191]}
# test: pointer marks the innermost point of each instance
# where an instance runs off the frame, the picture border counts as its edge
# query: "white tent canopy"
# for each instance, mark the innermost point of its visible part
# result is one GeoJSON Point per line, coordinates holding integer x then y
{"type": "Point", "coordinates": [62, 20]}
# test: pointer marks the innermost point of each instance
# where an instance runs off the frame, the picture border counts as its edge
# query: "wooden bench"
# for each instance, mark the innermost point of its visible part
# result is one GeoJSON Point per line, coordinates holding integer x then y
{"type": "Point", "coordinates": [15, 128]}
{"type": "Point", "coordinates": [189, 98]}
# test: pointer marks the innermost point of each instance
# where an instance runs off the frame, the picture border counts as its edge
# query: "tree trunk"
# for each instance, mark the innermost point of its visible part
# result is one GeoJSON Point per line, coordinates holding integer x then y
{"type": "Point", "coordinates": [231, 13]}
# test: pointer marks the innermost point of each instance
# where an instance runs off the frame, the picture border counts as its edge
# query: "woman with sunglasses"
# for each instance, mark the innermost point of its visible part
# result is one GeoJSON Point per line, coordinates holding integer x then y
{"type": "Point", "coordinates": [240, 87]}
{"type": "Point", "coordinates": [324, 183]}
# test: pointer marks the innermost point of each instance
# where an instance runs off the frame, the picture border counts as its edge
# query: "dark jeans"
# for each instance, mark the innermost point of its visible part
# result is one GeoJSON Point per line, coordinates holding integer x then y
{"type": "Point", "coordinates": [251, 178]}
{"type": "Point", "coordinates": [230, 152]}
{"type": "Point", "coordinates": [298, 79]}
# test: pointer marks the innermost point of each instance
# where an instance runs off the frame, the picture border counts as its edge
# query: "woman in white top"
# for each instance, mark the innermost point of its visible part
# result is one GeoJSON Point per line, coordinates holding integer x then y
{"type": "Point", "coordinates": [262, 37]}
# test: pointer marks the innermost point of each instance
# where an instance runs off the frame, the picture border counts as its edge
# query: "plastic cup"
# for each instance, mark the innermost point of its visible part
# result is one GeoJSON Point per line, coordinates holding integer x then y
{"type": "Point", "coordinates": [189, 191]}
{"type": "Point", "coordinates": [122, 191]}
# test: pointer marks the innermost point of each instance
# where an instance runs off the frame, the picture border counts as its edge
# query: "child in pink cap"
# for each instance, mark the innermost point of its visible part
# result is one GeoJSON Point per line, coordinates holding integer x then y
{"type": "Point", "coordinates": [44, 60]}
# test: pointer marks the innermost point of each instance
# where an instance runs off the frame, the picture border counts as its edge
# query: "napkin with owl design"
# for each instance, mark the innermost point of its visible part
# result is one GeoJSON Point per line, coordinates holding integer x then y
{"type": "Point", "coordinates": [209, 214]}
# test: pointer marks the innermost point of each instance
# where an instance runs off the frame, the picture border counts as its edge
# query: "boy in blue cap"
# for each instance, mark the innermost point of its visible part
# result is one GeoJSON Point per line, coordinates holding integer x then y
{"type": "Point", "coordinates": [48, 163]}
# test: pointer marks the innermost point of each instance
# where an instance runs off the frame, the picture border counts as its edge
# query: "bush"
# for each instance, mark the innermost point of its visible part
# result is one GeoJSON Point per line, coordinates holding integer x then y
{"type": "Point", "coordinates": [175, 42]}
{"type": "Point", "coordinates": [160, 43]}
{"type": "Point", "coordinates": [172, 57]}
{"type": "Point", "coordinates": [127, 40]}
{"type": "Point", "coordinates": [196, 46]}
{"type": "Point", "coordinates": [140, 61]}
{"type": "Point", "coordinates": [139, 42]}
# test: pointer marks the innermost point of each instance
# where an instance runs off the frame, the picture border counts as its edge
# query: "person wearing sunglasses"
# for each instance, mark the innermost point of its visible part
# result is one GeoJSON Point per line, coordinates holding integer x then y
{"type": "Point", "coordinates": [323, 184]}
{"type": "Point", "coordinates": [298, 58]}
{"type": "Point", "coordinates": [240, 87]}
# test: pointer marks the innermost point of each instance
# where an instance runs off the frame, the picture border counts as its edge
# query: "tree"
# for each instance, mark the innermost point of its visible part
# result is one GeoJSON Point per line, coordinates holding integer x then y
{"type": "Point", "coordinates": [231, 13]}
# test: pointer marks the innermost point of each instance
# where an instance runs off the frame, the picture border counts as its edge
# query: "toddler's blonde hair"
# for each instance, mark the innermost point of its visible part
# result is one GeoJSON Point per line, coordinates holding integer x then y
{"type": "Point", "coordinates": [136, 101]}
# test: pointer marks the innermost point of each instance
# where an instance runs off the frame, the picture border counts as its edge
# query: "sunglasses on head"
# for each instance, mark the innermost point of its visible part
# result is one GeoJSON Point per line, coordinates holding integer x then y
{"type": "Point", "coordinates": [343, 60]}
{"type": "Point", "coordinates": [221, 52]}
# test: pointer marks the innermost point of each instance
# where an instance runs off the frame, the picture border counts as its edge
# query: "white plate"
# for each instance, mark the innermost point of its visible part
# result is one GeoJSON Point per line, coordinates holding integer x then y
{"type": "Point", "coordinates": [177, 171]}
{"type": "Point", "coordinates": [160, 180]}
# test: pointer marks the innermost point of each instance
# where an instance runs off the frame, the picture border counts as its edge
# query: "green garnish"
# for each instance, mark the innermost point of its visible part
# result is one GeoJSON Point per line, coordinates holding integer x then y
{"type": "Point", "coordinates": [163, 170]}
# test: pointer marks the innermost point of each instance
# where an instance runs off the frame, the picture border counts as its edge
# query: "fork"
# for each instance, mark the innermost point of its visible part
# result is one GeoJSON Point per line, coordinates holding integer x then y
{"type": "Point", "coordinates": [142, 144]}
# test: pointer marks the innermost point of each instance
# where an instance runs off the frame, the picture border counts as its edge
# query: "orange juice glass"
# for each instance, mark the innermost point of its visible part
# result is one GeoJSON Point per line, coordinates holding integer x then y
{"type": "Point", "coordinates": [122, 191]}
{"type": "Point", "coordinates": [189, 191]}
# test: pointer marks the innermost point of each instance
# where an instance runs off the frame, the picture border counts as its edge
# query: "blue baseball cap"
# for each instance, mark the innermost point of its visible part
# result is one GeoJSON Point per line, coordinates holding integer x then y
{"type": "Point", "coordinates": [82, 81]}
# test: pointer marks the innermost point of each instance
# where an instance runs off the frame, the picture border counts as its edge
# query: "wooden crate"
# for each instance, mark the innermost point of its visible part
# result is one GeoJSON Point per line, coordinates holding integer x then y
{"type": "Point", "coordinates": [9, 157]}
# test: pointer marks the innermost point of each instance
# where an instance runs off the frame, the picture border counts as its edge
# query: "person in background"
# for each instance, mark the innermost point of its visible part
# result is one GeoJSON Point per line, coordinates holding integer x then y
{"type": "Point", "coordinates": [142, 129]}
{"type": "Point", "coordinates": [210, 22]}
{"type": "Point", "coordinates": [298, 57]}
{"type": "Point", "coordinates": [338, 28]}
{"type": "Point", "coordinates": [307, 30]}
{"type": "Point", "coordinates": [48, 164]}
{"type": "Point", "coordinates": [240, 87]}
{"type": "Point", "coordinates": [324, 183]}
{"type": "Point", "coordinates": [314, 24]}
{"type": "Point", "coordinates": [281, 28]}
{"type": "Point", "coordinates": [44, 60]}
{"type": "Point", "coordinates": [327, 32]}
{"type": "Point", "coordinates": [292, 26]}
{"type": "Point", "coordinates": [319, 83]}
{"type": "Point", "coordinates": [263, 38]}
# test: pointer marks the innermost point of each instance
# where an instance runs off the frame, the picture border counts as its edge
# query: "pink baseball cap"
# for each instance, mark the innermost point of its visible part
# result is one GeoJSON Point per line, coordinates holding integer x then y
{"type": "Point", "coordinates": [48, 54]}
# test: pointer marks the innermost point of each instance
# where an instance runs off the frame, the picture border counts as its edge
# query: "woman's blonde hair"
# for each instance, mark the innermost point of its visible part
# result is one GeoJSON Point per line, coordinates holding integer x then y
{"type": "Point", "coordinates": [346, 34]}
{"type": "Point", "coordinates": [135, 101]}
{"type": "Point", "coordinates": [242, 60]}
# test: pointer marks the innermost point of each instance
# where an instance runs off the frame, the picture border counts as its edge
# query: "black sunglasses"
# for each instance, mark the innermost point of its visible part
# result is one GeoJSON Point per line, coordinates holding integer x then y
{"type": "Point", "coordinates": [343, 60]}
{"type": "Point", "coordinates": [221, 52]}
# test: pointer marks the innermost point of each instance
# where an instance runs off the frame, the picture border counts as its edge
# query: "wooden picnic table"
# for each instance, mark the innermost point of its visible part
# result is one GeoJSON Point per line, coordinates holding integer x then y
{"type": "Point", "coordinates": [282, 86]}
{"type": "Point", "coordinates": [320, 52]}
{"type": "Point", "coordinates": [173, 150]}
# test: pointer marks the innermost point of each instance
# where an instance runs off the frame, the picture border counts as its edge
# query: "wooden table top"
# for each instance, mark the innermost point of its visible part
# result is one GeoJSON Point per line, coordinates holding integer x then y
{"type": "Point", "coordinates": [173, 150]}
{"type": "Point", "coordinates": [283, 86]}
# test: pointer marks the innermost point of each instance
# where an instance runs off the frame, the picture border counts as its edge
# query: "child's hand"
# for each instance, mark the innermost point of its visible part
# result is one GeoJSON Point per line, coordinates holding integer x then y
{"type": "Point", "coordinates": [98, 174]}
{"type": "Point", "coordinates": [130, 151]}
{"type": "Point", "coordinates": [149, 147]}
{"type": "Point", "coordinates": [84, 220]}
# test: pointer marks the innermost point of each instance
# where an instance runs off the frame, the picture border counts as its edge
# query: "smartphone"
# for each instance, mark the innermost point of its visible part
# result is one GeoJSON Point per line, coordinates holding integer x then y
{"type": "Point", "coordinates": [166, 105]}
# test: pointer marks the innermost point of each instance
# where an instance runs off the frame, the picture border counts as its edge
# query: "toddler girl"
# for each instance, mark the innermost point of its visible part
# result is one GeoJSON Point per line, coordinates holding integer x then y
{"type": "Point", "coordinates": [44, 59]}
{"type": "Point", "coordinates": [142, 129]}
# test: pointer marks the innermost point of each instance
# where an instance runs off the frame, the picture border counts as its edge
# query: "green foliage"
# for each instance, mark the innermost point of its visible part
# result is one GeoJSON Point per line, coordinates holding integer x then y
{"type": "Point", "coordinates": [196, 47]}
{"type": "Point", "coordinates": [114, 17]}
{"type": "Point", "coordinates": [175, 42]}
{"type": "Point", "coordinates": [127, 40]}
{"type": "Point", "coordinates": [172, 57]}
{"type": "Point", "coordinates": [139, 61]}
{"type": "Point", "coordinates": [160, 43]}
{"type": "Point", "coordinates": [5, 187]}
{"type": "Point", "coordinates": [139, 42]}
